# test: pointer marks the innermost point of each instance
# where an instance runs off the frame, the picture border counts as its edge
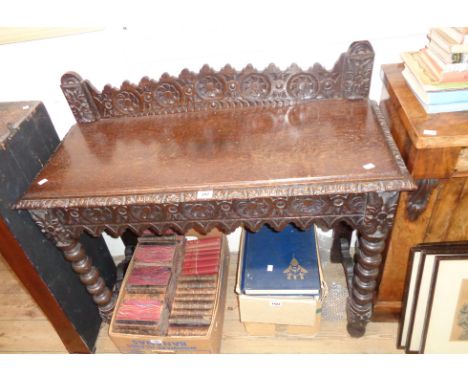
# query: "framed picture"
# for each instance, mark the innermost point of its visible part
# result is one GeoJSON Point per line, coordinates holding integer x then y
{"type": "Point", "coordinates": [418, 331]}
{"type": "Point", "coordinates": [446, 325]}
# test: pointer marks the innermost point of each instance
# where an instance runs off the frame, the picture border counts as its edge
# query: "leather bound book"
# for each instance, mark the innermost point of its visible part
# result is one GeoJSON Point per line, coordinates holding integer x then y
{"type": "Point", "coordinates": [280, 263]}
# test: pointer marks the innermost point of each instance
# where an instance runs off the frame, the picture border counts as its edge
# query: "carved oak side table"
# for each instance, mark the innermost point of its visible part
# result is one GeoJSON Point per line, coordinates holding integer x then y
{"type": "Point", "coordinates": [224, 149]}
{"type": "Point", "coordinates": [434, 147]}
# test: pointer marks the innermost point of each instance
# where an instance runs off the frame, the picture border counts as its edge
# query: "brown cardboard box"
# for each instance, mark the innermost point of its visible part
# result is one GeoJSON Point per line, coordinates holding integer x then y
{"type": "Point", "coordinates": [270, 315]}
{"type": "Point", "coordinates": [133, 343]}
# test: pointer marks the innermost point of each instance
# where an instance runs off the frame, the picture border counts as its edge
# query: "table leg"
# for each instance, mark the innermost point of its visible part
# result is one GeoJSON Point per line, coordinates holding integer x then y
{"type": "Point", "coordinates": [89, 275]}
{"type": "Point", "coordinates": [372, 235]}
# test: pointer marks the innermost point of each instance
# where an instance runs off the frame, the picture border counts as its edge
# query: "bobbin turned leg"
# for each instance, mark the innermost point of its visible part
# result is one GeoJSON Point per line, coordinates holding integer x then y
{"type": "Point", "coordinates": [372, 234]}
{"type": "Point", "coordinates": [90, 277]}
{"type": "Point", "coordinates": [81, 263]}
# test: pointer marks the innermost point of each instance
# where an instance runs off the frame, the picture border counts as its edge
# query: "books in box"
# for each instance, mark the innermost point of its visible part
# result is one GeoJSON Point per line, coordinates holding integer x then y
{"type": "Point", "coordinates": [281, 309]}
{"type": "Point", "coordinates": [280, 263]}
{"type": "Point", "coordinates": [177, 313]}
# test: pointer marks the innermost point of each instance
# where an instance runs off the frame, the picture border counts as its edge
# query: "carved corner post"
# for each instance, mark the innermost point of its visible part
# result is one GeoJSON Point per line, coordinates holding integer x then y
{"type": "Point", "coordinates": [79, 98]}
{"type": "Point", "coordinates": [357, 70]}
{"type": "Point", "coordinates": [68, 242]}
{"type": "Point", "coordinates": [373, 232]}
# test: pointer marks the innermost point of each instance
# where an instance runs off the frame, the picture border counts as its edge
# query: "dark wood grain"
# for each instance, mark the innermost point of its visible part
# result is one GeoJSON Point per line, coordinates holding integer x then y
{"type": "Point", "coordinates": [231, 153]}
{"type": "Point", "coordinates": [266, 147]}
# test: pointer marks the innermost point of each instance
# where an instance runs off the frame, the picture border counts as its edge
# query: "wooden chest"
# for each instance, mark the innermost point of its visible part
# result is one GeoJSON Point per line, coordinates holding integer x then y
{"type": "Point", "coordinates": [27, 140]}
{"type": "Point", "coordinates": [434, 148]}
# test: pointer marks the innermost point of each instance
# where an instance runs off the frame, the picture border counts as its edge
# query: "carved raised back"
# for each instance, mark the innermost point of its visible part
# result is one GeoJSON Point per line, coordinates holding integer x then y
{"type": "Point", "coordinates": [225, 89]}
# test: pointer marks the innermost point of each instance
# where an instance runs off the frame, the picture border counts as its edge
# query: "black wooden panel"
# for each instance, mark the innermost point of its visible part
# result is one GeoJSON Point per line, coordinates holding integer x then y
{"type": "Point", "coordinates": [24, 155]}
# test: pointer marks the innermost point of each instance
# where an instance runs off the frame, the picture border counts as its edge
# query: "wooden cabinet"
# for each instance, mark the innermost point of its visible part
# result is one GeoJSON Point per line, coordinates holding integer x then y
{"type": "Point", "coordinates": [434, 148]}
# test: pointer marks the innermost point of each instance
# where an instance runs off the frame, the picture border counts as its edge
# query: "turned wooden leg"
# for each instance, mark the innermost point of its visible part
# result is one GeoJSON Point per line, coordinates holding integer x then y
{"type": "Point", "coordinates": [372, 234]}
{"type": "Point", "coordinates": [364, 282]}
{"type": "Point", "coordinates": [68, 242]}
{"type": "Point", "coordinates": [90, 277]}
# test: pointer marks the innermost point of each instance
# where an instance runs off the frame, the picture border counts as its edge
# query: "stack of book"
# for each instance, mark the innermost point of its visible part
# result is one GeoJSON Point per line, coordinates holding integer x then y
{"type": "Point", "coordinates": [192, 309]}
{"type": "Point", "coordinates": [172, 297]}
{"type": "Point", "coordinates": [279, 280]}
{"type": "Point", "coordinates": [438, 73]}
{"type": "Point", "coordinates": [146, 300]}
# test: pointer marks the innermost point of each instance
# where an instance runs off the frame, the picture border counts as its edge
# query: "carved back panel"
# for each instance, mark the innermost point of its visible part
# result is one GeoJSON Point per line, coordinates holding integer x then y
{"type": "Point", "coordinates": [225, 89]}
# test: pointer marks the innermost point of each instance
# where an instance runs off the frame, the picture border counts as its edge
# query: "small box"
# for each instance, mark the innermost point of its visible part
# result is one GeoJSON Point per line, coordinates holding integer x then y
{"type": "Point", "coordinates": [270, 314]}
{"type": "Point", "coordinates": [210, 343]}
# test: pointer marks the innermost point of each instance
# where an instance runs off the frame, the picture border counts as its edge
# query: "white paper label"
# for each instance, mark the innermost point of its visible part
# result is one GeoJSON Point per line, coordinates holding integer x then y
{"type": "Point", "coordinates": [269, 268]}
{"type": "Point", "coordinates": [368, 166]}
{"type": "Point", "coordinates": [275, 303]}
{"type": "Point", "coordinates": [42, 181]}
{"type": "Point", "coordinates": [25, 107]}
{"type": "Point", "coordinates": [206, 194]}
{"type": "Point", "coordinates": [430, 132]}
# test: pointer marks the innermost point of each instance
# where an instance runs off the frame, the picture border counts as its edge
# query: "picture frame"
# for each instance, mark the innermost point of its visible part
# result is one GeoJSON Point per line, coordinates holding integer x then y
{"type": "Point", "coordinates": [419, 297]}
{"type": "Point", "coordinates": [446, 324]}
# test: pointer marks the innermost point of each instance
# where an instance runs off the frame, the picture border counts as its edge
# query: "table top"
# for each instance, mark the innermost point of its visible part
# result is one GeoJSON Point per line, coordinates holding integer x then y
{"type": "Point", "coordinates": [451, 129]}
{"type": "Point", "coordinates": [317, 147]}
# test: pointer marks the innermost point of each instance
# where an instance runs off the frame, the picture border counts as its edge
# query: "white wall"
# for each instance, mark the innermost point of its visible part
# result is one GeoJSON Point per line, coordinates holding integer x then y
{"type": "Point", "coordinates": [140, 39]}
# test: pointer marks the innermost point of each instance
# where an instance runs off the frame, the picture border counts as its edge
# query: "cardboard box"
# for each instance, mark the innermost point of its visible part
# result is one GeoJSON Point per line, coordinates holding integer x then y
{"type": "Point", "coordinates": [135, 343]}
{"type": "Point", "coordinates": [268, 315]}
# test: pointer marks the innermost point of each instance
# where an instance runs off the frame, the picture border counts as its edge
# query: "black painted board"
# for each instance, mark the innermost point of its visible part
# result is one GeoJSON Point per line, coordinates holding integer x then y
{"type": "Point", "coordinates": [25, 153]}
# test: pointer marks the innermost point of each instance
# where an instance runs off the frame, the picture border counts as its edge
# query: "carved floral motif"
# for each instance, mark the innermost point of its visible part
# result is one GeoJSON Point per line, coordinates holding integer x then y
{"type": "Point", "coordinates": [380, 212]}
{"type": "Point", "coordinates": [227, 88]}
{"type": "Point", "coordinates": [127, 102]}
{"type": "Point", "coordinates": [167, 94]}
{"type": "Point", "coordinates": [224, 214]}
{"type": "Point", "coordinates": [211, 87]}
{"type": "Point", "coordinates": [303, 86]}
{"type": "Point", "coordinates": [255, 86]}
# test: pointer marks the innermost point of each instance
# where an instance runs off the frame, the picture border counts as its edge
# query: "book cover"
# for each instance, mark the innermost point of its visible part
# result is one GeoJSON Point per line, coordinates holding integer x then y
{"type": "Point", "coordinates": [433, 97]}
{"type": "Point", "coordinates": [280, 263]}
{"type": "Point", "coordinates": [447, 57]}
{"type": "Point", "coordinates": [148, 279]}
{"type": "Point", "coordinates": [154, 254]}
{"type": "Point", "coordinates": [446, 42]}
{"type": "Point", "coordinates": [440, 73]}
{"type": "Point", "coordinates": [444, 66]}
{"type": "Point", "coordinates": [445, 108]}
{"type": "Point", "coordinates": [424, 77]}
{"type": "Point", "coordinates": [143, 311]}
{"type": "Point", "coordinates": [458, 34]}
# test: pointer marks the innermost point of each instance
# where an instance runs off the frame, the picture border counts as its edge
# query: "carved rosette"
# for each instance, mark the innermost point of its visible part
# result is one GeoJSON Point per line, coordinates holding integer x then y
{"type": "Point", "coordinates": [303, 86]}
{"type": "Point", "coordinates": [211, 87]}
{"type": "Point", "coordinates": [65, 238]}
{"type": "Point", "coordinates": [224, 89]}
{"type": "Point", "coordinates": [255, 86]}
